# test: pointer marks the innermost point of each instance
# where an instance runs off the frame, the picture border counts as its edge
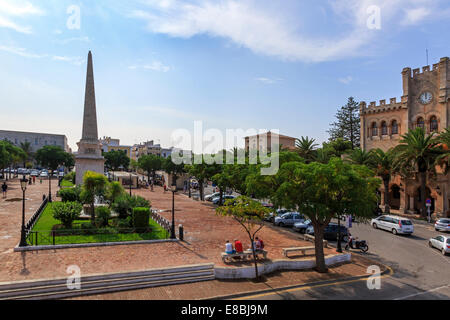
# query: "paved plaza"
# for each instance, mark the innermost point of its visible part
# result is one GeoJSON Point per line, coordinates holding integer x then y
{"type": "Point", "coordinates": [205, 236]}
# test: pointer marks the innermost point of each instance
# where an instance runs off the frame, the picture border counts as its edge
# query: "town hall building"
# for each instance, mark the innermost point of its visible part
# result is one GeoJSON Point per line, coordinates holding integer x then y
{"type": "Point", "coordinates": [424, 103]}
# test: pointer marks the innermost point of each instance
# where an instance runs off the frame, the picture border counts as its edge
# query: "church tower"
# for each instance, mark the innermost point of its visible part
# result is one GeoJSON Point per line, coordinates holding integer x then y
{"type": "Point", "coordinates": [89, 157]}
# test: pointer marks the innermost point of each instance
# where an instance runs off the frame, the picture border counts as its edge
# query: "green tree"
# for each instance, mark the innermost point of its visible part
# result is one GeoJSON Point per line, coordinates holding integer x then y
{"type": "Point", "coordinates": [51, 157]}
{"type": "Point", "coordinates": [173, 169]}
{"type": "Point", "coordinates": [418, 152]}
{"type": "Point", "coordinates": [5, 157]}
{"type": "Point", "coordinates": [306, 148]}
{"type": "Point", "coordinates": [114, 190]}
{"type": "Point", "coordinates": [321, 192]}
{"type": "Point", "coordinates": [361, 157]}
{"type": "Point", "coordinates": [347, 125]}
{"type": "Point", "coordinates": [249, 214]}
{"type": "Point", "coordinates": [26, 147]}
{"type": "Point", "coordinates": [150, 164]}
{"type": "Point", "coordinates": [383, 165]}
{"type": "Point", "coordinates": [94, 185]}
{"type": "Point", "coordinates": [444, 143]}
{"type": "Point", "coordinates": [116, 159]}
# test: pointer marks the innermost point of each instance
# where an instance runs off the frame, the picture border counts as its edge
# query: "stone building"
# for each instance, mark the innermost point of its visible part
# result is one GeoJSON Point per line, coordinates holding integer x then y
{"type": "Point", "coordinates": [263, 141]}
{"type": "Point", "coordinates": [36, 140]}
{"type": "Point", "coordinates": [424, 103]}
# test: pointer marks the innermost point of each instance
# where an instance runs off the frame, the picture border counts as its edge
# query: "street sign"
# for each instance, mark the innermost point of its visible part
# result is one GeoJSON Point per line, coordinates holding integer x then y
{"type": "Point", "coordinates": [428, 203]}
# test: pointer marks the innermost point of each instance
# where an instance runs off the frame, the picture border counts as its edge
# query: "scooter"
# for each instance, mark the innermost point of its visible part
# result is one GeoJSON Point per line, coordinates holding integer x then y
{"type": "Point", "coordinates": [355, 244]}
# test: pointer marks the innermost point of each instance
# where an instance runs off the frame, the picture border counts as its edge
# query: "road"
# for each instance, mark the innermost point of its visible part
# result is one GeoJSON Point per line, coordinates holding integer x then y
{"type": "Point", "coordinates": [419, 272]}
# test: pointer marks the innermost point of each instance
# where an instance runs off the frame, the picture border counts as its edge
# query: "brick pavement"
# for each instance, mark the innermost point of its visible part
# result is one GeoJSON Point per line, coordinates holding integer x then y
{"type": "Point", "coordinates": [205, 235]}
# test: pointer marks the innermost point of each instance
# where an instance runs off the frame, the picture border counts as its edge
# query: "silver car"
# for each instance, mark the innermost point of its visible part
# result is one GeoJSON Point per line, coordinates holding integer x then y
{"type": "Point", "coordinates": [442, 225]}
{"type": "Point", "coordinates": [289, 219]}
{"type": "Point", "coordinates": [440, 242]}
{"type": "Point", "coordinates": [394, 224]}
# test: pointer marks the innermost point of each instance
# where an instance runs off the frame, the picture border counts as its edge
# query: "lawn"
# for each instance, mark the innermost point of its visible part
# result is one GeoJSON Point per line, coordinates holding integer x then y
{"type": "Point", "coordinates": [42, 234]}
{"type": "Point", "coordinates": [67, 183]}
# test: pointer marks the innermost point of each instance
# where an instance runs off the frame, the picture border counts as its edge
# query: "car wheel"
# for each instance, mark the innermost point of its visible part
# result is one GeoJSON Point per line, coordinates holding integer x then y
{"type": "Point", "coordinates": [436, 229]}
{"type": "Point", "coordinates": [375, 226]}
{"type": "Point", "coordinates": [443, 251]}
{"type": "Point", "coordinates": [394, 232]}
{"type": "Point", "coordinates": [281, 224]}
{"type": "Point", "coordinates": [430, 244]}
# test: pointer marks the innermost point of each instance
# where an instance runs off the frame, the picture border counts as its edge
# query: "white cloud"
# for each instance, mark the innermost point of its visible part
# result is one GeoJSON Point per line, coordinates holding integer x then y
{"type": "Point", "coordinates": [17, 9]}
{"type": "Point", "coordinates": [21, 52]}
{"type": "Point", "coordinates": [346, 80]}
{"type": "Point", "coordinates": [416, 15]}
{"type": "Point", "coordinates": [264, 30]}
{"type": "Point", "coordinates": [73, 60]}
{"type": "Point", "coordinates": [155, 66]}
{"type": "Point", "coordinates": [268, 80]}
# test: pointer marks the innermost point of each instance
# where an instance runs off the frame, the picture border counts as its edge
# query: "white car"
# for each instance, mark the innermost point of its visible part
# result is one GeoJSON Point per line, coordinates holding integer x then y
{"type": "Point", "coordinates": [210, 197]}
{"type": "Point", "coordinates": [440, 242]}
{"type": "Point", "coordinates": [442, 225]}
{"type": "Point", "coordinates": [394, 224]}
{"type": "Point", "coordinates": [43, 174]}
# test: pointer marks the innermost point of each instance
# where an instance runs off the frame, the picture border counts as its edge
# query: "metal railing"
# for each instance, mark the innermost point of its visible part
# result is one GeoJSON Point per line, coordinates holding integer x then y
{"type": "Point", "coordinates": [30, 224]}
{"type": "Point", "coordinates": [163, 222]}
{"type": "Point", "coordinates": [79, 236]}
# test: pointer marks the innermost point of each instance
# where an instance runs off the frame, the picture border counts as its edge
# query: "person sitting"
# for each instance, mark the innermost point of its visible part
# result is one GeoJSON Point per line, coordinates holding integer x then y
{"type": "Point", "coordinates": [258, 244]}
{"type": "Point", "coordinates": [238, 246]}
{"type": "Point", "coordinates": [229, 248]}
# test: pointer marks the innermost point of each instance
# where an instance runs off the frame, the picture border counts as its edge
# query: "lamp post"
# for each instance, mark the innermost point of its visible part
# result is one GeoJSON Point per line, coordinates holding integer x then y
{"type": "Point", "coordinates": [172, 233]}
{"type": "Point", "coordinates": [339, 246]}
{"type": "Point", "coordinates": [23, 238]}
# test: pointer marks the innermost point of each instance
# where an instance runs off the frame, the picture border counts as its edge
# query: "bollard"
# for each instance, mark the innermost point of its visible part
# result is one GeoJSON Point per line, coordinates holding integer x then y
{"type": "Point", "coordinates": [181, 232]}
{"type": "Point", "coordinates": [43, 197]}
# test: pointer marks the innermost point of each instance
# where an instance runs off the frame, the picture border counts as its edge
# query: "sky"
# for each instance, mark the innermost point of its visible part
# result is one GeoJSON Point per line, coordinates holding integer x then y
{"type": "Point", "coordinates": [160, 65]}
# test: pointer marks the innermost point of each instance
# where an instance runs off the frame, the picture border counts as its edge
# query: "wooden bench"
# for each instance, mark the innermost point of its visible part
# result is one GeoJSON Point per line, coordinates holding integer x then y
{"type": "Point", "coordinates": [301, 249]}
{"type": "Point", "coordinates": [244, 256]}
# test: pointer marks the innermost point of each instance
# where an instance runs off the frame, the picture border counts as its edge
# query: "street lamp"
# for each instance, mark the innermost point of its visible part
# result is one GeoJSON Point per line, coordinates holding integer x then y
{"type": "Point", "coordinates": [339, 246]}
{"type": "Point", "coordinates": [23, 238]}
{"type": "Point", "coordinates": [172, 233]}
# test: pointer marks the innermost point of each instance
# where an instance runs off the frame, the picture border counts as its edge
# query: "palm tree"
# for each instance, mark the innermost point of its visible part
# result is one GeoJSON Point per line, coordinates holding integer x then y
{"type": "Point", "coordinates": [444, 159]}
{"type": "Point", "coordinates": [26, 147]}
{"type": "Point", "coordinates": [306, 148]}
{"type": "Point", "coordinates": [361, 157]}
{"type": "Point", "coordinates": [418, 152]}
{"type": "Point", "coordinates": [382, 163]}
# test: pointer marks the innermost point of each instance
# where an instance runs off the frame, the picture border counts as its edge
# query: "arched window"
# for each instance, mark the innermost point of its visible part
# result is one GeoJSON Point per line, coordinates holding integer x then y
{"type": "Point", "coordinates": [374, 129]}
{"type": "Point", "coordinates": [433, 124]}
{"type": "Point", "coordinates": [420, 123]}
{"type": "Point", "coordinates": [384, 128]}
{"type": "Point", "coordinates": [394, 126]}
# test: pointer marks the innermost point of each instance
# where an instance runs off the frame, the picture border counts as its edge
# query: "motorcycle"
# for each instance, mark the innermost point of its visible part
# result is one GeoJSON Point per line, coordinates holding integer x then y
{"type": "Point", "coordinates": [357, 244]}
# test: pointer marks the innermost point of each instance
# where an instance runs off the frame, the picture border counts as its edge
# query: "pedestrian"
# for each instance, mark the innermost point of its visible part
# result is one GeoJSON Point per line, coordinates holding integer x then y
{"type": "Point", "coordinates": [4, 189]}
{"type": "Point", "coordinates": [229, 248]}
{"type": "Point", "coordinates": [34, 180]}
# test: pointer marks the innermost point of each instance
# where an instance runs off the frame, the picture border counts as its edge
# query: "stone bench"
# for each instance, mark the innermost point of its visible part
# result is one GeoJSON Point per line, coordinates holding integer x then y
{"type": "Point", "coordinates": [301, 249]}
{"type": "Point", "coordinates": [246, 255]}
{"type": "Point", "coordinates": [311, 238]}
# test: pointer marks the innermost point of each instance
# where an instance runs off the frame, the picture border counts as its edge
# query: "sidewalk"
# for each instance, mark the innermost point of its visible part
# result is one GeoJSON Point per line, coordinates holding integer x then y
{"type": "Point", "coordinates": [227, 289]}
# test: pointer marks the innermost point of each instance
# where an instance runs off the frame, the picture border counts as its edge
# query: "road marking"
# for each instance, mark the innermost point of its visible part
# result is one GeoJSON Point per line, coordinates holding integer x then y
{"type": "Point", "coordinates": [424, 292]}
{"type": "Point", "coordinates": [388, 274]}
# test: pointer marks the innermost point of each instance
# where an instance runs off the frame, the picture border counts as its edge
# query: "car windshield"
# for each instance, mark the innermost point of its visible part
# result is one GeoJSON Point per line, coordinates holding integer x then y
{"type": "Point", "coordinates": [406, 222]}
{"type": "Point", "coordinates": [307, 222]}
{"type": "Point", "coordinates": [448, 240]}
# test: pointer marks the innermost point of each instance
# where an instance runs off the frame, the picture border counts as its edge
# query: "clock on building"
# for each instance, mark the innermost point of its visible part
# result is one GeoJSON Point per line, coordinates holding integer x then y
{"type": "Point", "coordinates": [426, 97]}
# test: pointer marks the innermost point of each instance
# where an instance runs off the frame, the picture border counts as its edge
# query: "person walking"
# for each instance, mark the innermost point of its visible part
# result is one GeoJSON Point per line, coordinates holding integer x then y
{"type": "Point", "coordinates": [4, 189]}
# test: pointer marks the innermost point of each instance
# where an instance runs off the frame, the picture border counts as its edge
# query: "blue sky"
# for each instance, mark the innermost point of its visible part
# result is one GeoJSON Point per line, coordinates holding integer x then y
{"type": "Point", "coordinates": [160, 65]}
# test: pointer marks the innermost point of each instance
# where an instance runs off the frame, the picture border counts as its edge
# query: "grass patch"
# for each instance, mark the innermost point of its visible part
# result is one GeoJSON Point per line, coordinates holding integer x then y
{"type": "Point", "coordinates": [67, 184]}
{"type": "Point", "coordinates": [46, 223]}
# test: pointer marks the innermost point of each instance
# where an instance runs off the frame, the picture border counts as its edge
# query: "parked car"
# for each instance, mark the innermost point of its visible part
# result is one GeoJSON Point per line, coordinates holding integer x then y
{"type": "Point", "coordinates": [289, 219]}
{"type": "Point", "coordinates": [61, 173]}
{"type": "Point", "coordinates": [302, 226]}
{"type": "Point", "coordinates": [331, 231]}
{"type": "Point", "coordinates": [34, 173]}
{"type": "Point", "coordinates": [210, 197]}
{"type": "Point", "coordinates": [224, 198]}
{"type": "Point", "coordinates": [43, 174]}
{"type": "Point", "coordinates": [272, 215]}
{"type": "Point", "coordinates": [394, 224]}
{"type": "Point", "coordinates": [442, 225]}
{"type": "Point", "coordinates": [440, 242]}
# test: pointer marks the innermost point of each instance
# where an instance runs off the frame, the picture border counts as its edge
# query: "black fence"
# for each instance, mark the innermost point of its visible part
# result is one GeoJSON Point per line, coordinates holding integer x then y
{"type": "Point", "coordinates": [80, 236]}
{"type": "Point", "coordinates": [30, 224]}
{"type": "Point", "coordinates": [163, 222]}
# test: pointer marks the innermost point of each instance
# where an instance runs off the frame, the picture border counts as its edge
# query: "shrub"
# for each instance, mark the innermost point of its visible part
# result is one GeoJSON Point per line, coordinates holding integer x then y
{"type": "Point", "coordinates": [66, 212]}
{"type": "Point", "coordinates": [114, 190]}
{"type": "Point", "coordinates": [70, 177]}
{"type": "Point", "coordinates": [140, 219]}
{"type": "Point", "coordinates": [139, 202]}
{"type": "Point", "coordinates": [102, 215]}
{"type": "Point", "coordinates": [125, 203]}
{"type": "Point", "coordinates": [88, 228]}
{"type": "Point", "coordinates": [70, 194]}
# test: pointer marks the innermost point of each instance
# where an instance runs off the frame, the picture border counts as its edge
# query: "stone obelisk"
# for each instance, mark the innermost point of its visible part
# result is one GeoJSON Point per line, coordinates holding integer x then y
{"type": "Point", "coordinates": [89, 157]}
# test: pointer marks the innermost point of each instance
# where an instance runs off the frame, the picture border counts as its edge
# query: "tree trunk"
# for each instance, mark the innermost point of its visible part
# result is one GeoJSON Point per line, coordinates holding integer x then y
{"type": "Point", "coordinates": [423, 186]}
{"type": "Point", "coordinates": [254, 258]}
{"type": "Point", "coordinates": [386, 195]}
{"type": "Point", "coordinates": [200, 187]}
{"type": "Point", "coordinates": [318, 241]}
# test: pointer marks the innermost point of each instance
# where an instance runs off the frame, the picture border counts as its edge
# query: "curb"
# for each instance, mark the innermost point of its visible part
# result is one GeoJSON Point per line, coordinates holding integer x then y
{"type": "Point", "coordinates": [388, 272]}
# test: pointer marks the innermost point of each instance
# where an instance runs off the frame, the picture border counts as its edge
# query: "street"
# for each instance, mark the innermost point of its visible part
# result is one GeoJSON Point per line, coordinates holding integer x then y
{"type": "Point", "coordinates": [419, 272]}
